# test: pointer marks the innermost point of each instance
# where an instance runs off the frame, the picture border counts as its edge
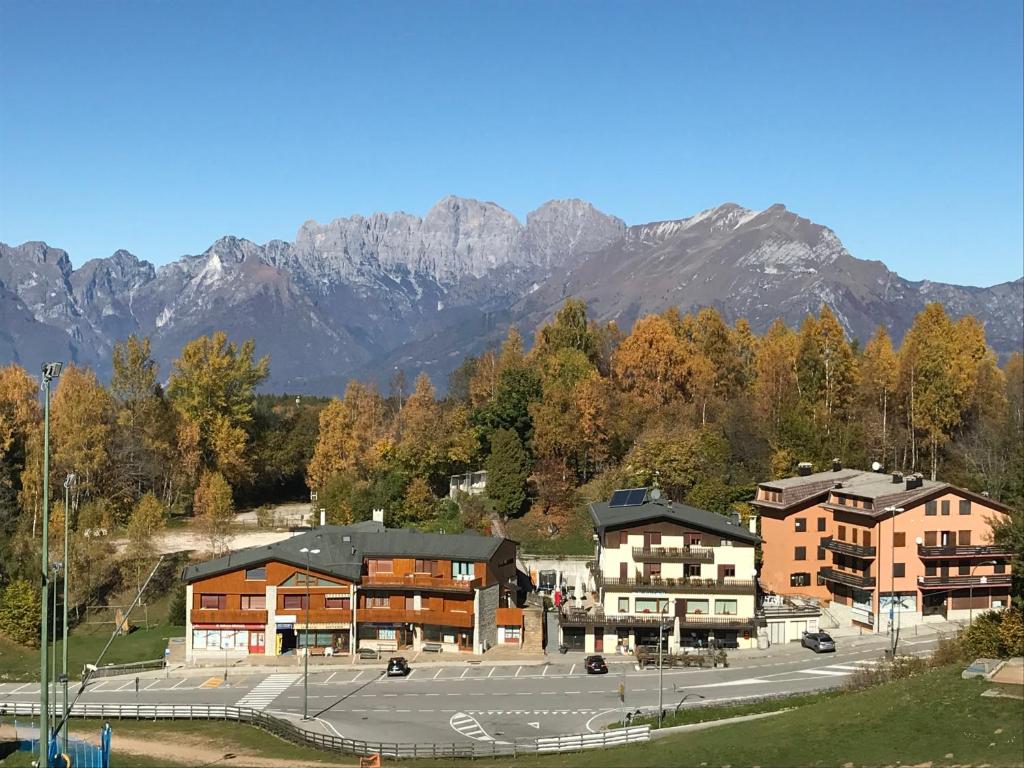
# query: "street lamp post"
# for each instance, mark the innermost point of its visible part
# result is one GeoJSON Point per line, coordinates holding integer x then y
{"type": "Point", "coordinates": [984, 580]}
{"type": "Point", "coordinates": [52, 680]}
{"type": "Point", "coordinates": [50, 372]}
{"type": "Point", "coordinates": [305, 674]}
{"type": "Point", "coordinates": [69, 482]}
{"type": "Point", "coordinates": [661, 663]}
{"type": "Point", "coordinates": [893, 511]}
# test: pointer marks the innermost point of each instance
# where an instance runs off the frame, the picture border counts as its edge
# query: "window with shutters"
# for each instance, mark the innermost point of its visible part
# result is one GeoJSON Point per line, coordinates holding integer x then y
{"type": "Point", "coordinates": [254, 602]}
{"type": "Point", "coordinates": [377, 565]}
{"type": "Point", "coordinates": [899, 539]}
{"type": "Point", "coordinates": [344, 603]}
{"type": "Point", "coordinates": [931, 538]}
{"type": "Point", "coordinates": [427, 566]}
{"type": "Point", "coordinates": [212, 602]}
{"type": "Point", "coordinates": [293, 602]}
{"type": "Point", "coordinates": [964, 538]}
{"type": "Point", "coordinates": [377, 600]}
{"type": "Point", "coordinates": [611, 540]}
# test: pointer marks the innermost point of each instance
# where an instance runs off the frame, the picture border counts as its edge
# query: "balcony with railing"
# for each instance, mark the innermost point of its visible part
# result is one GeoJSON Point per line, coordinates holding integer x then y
{"type": "Point", "coordinates": [419, 581]}
{"type": "Point", "coordinates": [694, 554]}
{"type": "Point", "coordinates": [227, 616]}
{"type": "Point", "coordinates": [725, 586]}
{"type": "Point", "coordinates": [689, 620]}
{"type": "Point", "coordinates": [981, 550]}
{"type": "Point", "coordinates": [946, 582]}
{"type": "Point", "coordinates": [401, 616]}
{"type": "Point", "coordinates": [846, 548]}
{"type": "Point", "coordinates": [857, 580]}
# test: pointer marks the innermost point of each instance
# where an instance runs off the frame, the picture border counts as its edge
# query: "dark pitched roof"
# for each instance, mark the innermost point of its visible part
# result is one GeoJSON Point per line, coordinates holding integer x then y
{"type": "Point", "coordinates": [343, 547]}
{"type": "Point", "coordinates": [605, 517]}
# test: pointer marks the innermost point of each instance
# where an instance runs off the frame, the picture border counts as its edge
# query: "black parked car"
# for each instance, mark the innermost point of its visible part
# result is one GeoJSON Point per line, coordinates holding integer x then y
{"type": "Point", "coordinates": [398, 667]}
{"type": "Point", "coordinates": [595, 665]}
{"type": "Point", "coordinates": [819, 642]}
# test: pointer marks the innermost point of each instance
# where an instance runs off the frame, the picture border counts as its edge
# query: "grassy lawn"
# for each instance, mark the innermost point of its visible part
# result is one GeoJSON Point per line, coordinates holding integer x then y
{"type": "Point", "coordinates": [711, 713]}
{"type": "Point", "coordinates": [18, 663]}
{"type": "Point", "coordinates": [936, 719]}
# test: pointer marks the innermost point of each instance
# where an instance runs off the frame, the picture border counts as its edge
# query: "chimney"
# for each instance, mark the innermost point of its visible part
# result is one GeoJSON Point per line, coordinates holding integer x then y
{"type": "Point", "coordinates": [378, 516]}
{"type": "Point", "coordinates": [736, 518]}
{"type": "Point", "coordinates": [836, 465]}
{"type": "Point", "coordinates": [804, 468]}
{"type": "Point", "coordinates": [897, 478]}
{"type": "Point", "coordinates": [323, 516]}
{"type": "Point", "coordinates": [752, 523]}
{"type": "Point", "coordinates": [914, 481]}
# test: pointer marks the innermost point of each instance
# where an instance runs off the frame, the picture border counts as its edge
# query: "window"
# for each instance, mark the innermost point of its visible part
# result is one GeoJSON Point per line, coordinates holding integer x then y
{"type": "Point", "coordinates": [623, 605]}
{"type": "Point", "coordinates": [945, 506]}
{"type": "Point", "coordinates": [654, 537]}
{"type": "Point", "coordinates": [867, 538]}
{"type": "Point", "coordinates": [293, 602]}
{"type": "Point", "coordinates": [462, 571]}
{"type": "Point", "coordinates": [930, 508]}
{"type": "Point", "coordinates": [691, 570]}
{"type": "Point", "coordinates": [899, 569]}
{"type": "Point", "coordinates": [821, 523]}
{"type": "Point", "coordinates": [728, 571]}
{"type": "Point", "coordinates": [697, 606]}
{"type": "Point", "coordinates": [256, 574]}
{"type": "Point", "coordinates": [254, 602]}
{"type": "Point", "coordinates": [725, 607]}
{"type": "Point", "coordinates": [653, 570]}
{"type": "Point", "coordinates": [410, 603]}
{"type": "Point", "coordinates": [513, 634]}
{"type": "Point", "coordinates": [964, 570]}
{"type": "Point", "coordinates": [999, 568]}
{"type": "Point", "coordinates": [821, 553]}
{"type": "Point", "coordinates": [842, 533]}
{"type": "Point", "coordinates": [799, 579]}
{"type": "Point", "coordinates": [929, 570]}
{"type": "Point", "coordinates": [611, 540]}
{"type": "Point", "coordinates": [315, 639]}
{"type": "Point", "coordinates": [965, 507]}
{"type": "Point", "coordinates": [856, 533]}
{"type": "Point", "coordinates": [693, 539]}
{"type": "Point", "coordinates": [801, 524]}
{"type": "Point", "coordinates": [344, 602]}
{"type": "Point", "coordinates": [931, 538]}
{"type": "Point", "coordinates": [624, 538]}
{"type": "Point", "coordinates": [899, 539]}
{"type": "Point", "coordinates": [212, 602]}
{"type": "Point", "coordinates": [380, 566]}
{"type": "Point", "coordinates": [652, 604]}
{"type": "Point", "coordinates": [427, 566]}
{"type": "Point", "coordinates": [964, 538]}
{"type": "Point", "coordinates": [800, 553]}
{"type": "Point", "coordinates": [377, 600]}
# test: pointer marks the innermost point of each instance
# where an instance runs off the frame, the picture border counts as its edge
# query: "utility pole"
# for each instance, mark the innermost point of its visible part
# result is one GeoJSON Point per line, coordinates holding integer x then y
{"type": "Point", "coordinates": [69, 481]}
{"type": "Point", "coordinates": [50, 372]}
{"type": "Point", "coordinates": [305, 674]}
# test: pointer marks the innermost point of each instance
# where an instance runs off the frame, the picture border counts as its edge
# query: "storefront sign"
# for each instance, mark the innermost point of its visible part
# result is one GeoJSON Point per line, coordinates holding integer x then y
{"type": "Point", "coordinates": [284, 619]}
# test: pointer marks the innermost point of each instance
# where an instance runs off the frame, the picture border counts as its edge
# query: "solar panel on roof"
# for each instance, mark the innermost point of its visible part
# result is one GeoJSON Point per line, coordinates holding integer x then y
{"type": "Point", "coordinates": [619, 499]}
{"type": "Point", "coordinates": [628, 497]}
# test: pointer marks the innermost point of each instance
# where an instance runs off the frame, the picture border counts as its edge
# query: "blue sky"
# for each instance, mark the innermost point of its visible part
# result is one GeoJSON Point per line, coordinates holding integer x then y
{"type": "Point", "coordinates": [158, 126]}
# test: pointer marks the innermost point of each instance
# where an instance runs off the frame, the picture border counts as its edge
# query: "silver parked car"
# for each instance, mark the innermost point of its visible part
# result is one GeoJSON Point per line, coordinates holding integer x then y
{"type": "Point", "coordinates": [819, 642]}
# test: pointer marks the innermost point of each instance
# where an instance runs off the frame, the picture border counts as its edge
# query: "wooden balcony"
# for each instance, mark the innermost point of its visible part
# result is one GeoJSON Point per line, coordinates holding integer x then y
{"type": "Point", "coordinates": [227, 616]}
{"type": "Point", "coordinates": [726, 586]}
{"type": "Point", "coordinates": [846, 548]}
{"type": "Point", "coordinates": [982, 550]}
{"type": "Point", "coordinates": [849, 579]}
{"type": "Point", "coordinates": [947, 582]}
{"type": "Point", "coordinates": [419, 582]}
{"type": "Point", "coordinates": [509, 617]}
{"type": "Point", "coordinates": [399, 616]}
{"type": "Point", "coordinates": [674, 554]}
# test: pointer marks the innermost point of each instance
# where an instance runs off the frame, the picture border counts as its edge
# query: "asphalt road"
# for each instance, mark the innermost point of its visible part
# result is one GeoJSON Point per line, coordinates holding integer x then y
{"type": "Point", "coordinates": [478, 702]}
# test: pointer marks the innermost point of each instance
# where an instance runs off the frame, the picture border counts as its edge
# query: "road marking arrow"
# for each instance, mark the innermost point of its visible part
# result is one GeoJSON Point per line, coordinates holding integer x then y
{"type": "Point", "coordinates": [534, 725]}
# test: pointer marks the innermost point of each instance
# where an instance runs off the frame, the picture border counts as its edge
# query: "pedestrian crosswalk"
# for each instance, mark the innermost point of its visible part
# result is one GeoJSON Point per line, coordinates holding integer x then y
{"type": "Point", "coordinates": [468, 726]}
{"type": "Point", "coordinates": [841, 670]}
{"type": "Point", "coordinates": [268, 690]}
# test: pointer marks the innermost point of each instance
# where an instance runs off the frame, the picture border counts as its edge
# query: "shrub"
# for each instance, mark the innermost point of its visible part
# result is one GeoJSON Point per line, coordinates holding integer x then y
{"type": "Point", "coordinates": [176, 610]}
{"type": "Point", "coordinates": [20, 613]}
{"type": "Point", "coordinates": [949, 650]}
{"type": "Point", "coordinates": [994, 635]}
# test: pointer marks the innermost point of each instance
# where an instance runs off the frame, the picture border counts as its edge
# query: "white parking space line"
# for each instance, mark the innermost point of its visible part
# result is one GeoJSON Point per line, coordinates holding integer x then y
{"type": "Point", "coordinates": [573, 669]}
{"type": "Point", "coordinates": [22, 687]}
{"type": "Point", "coordinates": [464, 673]}
{"type": "Point", "coordinates": [411, 673]}
{"type": "Point", "coordinates": [491, 672]}
{"type": "Point", "coordinates": [177, 684]}
{"type": "Point", "coordinates": [129, 684]}
{"type": "Point", "coordinates": [330, 678]}
{"type": "Point", "coordinates": [824, 672]}
{"type": "Point", "coordinates": [544, 673]}
{"type": "Point", "coordinates": [518, 671]}
{"type": "Point", "coordinates": [438, 673]}
{"type": "Point", "coordinates": [357, 677]}
{"type": "Point", "coordinates": [151, 685]}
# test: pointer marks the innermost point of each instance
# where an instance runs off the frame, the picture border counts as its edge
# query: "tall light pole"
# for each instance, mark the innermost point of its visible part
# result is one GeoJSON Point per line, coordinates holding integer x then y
{"type": "Point", "coordinates": [970, 615]}
{"type": "Point", "coordinates": [305, 674]}
{"type": "Point", "coordinates": [50, 372]}
{"type": "Point", "coordinates": [69, 482]}
{"type": "Point", "coordinates": [893, 511]}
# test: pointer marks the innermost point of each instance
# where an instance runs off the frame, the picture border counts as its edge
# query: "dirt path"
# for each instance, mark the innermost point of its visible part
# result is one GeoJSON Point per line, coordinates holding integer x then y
{"type": "Point", "coordinates": [189, 750]}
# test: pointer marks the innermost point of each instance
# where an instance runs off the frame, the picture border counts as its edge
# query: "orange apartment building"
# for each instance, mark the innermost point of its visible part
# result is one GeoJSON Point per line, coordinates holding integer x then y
{"type": "Point", "coordinates": [876, 547]}
{"type": "Point", "coordinates": [360, 585]}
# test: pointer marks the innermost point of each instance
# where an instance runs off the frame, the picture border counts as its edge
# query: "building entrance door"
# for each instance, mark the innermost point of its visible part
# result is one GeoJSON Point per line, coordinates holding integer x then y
{"type": "Point", "coordinates": [680, 607]}
{"type": "Point", "coordinates": [598, 639]}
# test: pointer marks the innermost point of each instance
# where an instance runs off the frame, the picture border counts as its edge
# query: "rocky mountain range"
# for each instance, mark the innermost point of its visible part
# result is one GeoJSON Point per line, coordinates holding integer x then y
{"type": "Point", "coordinates": [363, 296]}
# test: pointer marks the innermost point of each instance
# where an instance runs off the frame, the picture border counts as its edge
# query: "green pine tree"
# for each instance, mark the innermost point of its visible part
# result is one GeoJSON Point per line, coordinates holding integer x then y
{"type": "Point", "coordinates": [508, 467]}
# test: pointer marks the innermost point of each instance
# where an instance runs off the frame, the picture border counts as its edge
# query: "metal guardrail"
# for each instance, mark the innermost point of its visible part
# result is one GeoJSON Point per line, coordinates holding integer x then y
{"type": "Point", "coordinates": [296, 735]}
{"type": "Point", "coordinates": [111, 670]}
